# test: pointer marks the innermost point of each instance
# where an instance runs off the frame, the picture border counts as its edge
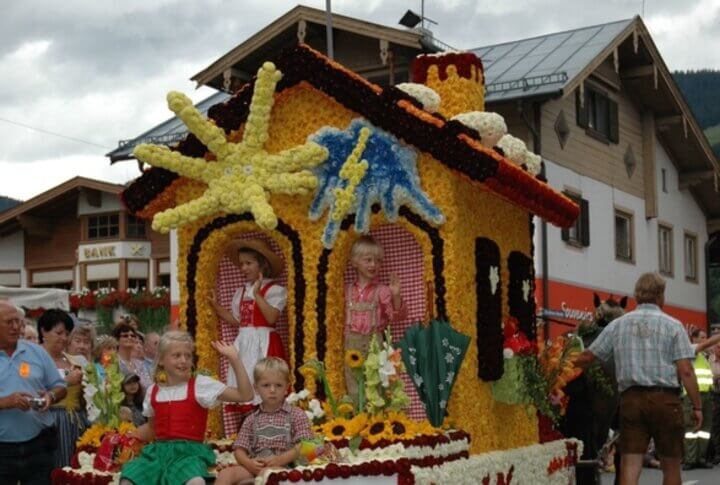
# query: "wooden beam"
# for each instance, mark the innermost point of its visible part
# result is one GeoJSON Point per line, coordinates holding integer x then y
{"type": "Point", "coordinates": [688, 179]}
{"type": "Point", "coordinates": [649, 172]}
{"type": "Point", "coordinates": [638, 71]}
{"type": "Point", "coordinates": [34, 226]}
{"type": "Point", "coordinates": [665, 122]}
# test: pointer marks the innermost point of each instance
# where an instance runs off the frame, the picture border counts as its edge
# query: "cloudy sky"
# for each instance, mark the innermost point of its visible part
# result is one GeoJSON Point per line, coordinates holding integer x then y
{"type": "Point", "coordinates": [96, 71]}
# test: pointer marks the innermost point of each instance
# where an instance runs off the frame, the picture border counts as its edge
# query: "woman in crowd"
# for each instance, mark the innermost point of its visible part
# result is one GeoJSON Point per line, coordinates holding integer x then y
{"type": "Point", "coordinates": [82, 340]}
{"type": "Point", "coordinates": [69, 415]}
{"type": "Point", "coordinates": [126, 335]}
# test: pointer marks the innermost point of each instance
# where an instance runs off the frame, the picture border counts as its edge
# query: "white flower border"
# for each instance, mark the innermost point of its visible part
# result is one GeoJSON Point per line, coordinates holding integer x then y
{"type": "Point", "coordinates": [427, 96]}
{"type": "Point", "coordinates": [529, 464]}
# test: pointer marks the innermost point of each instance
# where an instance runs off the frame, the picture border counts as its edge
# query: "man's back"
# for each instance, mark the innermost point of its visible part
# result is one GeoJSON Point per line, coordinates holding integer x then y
{"type": "Point", "coordinates": [645, 344]}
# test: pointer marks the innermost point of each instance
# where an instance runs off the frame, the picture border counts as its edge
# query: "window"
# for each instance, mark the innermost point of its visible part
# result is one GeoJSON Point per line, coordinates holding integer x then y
{"type": "Point", "coordinates": [663, 173]}
{"type": "Point", "coordinates": [103, 227]}
{"type": "Point", "coordinates": [578, 234]}
{"type": "Point", "coordinates": [624, 236]}
{"type": "Point", "coordinates": [665, 250]}
{"type": "Point", "coordinates": [137, 283]}
{"type": "Point", "coordinates": [60, 286]}
{"type": "Point", "coordinates": [96, 285]}
{"type": "Point", "coordinates": [135, 227]}
{"type": "Point", "coordinates": [598, 114]}
{"type": "Point", "coordinates": [164, 280]}
{"type": "Point", "coordinates": [691, 257]}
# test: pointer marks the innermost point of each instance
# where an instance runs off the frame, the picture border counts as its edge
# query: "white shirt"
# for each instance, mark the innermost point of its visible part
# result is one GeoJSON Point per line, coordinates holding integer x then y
{"type": "Point", "coordinates": [276, 296]}
{"type": "Point", "coordinates": [207, 391]}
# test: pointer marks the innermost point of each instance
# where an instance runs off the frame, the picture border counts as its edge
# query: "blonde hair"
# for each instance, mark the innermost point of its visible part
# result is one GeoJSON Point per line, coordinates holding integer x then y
{"type": "Point", "coordinates": [166, 340]}
{"type": "Point", "coordinates": [649, 288]}
{"type": "Point", "coordinates": [86, 330]}
{"type": "Point", "coordinates": [366, 245]}
{"type": "Point", "coordinates": [271, 364]}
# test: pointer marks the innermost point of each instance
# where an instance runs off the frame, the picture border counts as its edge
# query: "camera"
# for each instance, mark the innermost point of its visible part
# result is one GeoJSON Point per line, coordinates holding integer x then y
{"type": "Point", "coordinates": [36, 402]}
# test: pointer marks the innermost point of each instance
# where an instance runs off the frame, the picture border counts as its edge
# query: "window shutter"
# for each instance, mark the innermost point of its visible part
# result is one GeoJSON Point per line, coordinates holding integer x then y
{"type": "Point", "coordinates": [584, 222]}
{"type": "Point", "coordinates": [582, 110]}
{"type": "Point", "coordinates": [565, 234]}
{"type": "Point", "coordinates": [489, 324]}
{"type": "Point", "coordinates": [521, 292]}
{"type": "Point", "coordinates": [613, 121]}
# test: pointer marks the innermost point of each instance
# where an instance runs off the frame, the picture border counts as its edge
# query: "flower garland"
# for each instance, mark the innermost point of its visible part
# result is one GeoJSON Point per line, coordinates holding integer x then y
{"type": "Point", "coordinates": [490, 126]}
{"type": "Point", "coordinates": [549, 463]}
{"type": "Point", "coordinates": [429, 99]}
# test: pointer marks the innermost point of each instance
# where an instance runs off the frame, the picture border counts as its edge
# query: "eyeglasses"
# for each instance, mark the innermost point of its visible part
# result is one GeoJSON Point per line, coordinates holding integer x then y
{"type": "Point", "coordinates": [18, 322]}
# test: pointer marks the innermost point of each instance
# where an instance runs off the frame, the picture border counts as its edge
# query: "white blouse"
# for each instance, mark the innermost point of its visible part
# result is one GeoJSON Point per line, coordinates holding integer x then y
{"type": "Point", "coordinates": [207, 391]}
{"type": "Point", "coordinates": [276, 296]}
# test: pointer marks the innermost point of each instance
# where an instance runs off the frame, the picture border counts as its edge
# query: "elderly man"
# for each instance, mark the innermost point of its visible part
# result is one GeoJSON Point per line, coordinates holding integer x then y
{"type": "Point", "coordinates": [29, 384]}
{"type": "Point", "coordinates": [152, 339]}
{"type": "Point", "coordinates": [650, 350]}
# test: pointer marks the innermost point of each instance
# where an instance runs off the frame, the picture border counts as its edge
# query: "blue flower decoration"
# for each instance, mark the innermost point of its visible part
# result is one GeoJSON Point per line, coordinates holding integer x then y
{"type": "Point", "coordinates": [391, 178]}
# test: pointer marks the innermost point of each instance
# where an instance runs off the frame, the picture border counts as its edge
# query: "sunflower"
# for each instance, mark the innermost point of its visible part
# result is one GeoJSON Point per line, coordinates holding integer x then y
{"type": "Point", "coordinates": [401, 427]}
{"type": "Point", "coordinates": [92, 436]}
{"type": "Point", "coordinates": [377, 429]}
{"type": "Point", "coordinates": [354, 359]}
{"type": "Point", "coordinates": [425, 428]}
{"type": "Point", "coordinates": [336, 429]}
{"type": "Point", "coordinates": [357, 424]}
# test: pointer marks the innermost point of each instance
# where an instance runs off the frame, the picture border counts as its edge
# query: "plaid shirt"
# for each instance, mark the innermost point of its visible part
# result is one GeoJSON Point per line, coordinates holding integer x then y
{"type": "Point", "coordinates": [299, 429]}
{"type": "Point", "coordinates": [645, 344]}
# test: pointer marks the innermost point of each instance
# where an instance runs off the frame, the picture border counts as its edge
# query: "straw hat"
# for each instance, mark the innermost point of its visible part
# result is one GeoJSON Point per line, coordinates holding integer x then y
{"type": "Point", "coordinates": [260, 246]}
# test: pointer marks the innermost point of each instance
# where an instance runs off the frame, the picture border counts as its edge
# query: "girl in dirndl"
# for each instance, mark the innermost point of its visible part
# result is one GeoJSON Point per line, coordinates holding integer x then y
{"type": "Point", "coordinates": [256, 306]}
{"type": "Point", "coordinates": [369, 306]}
{"type": "Point", "coordinates": [177, 409]}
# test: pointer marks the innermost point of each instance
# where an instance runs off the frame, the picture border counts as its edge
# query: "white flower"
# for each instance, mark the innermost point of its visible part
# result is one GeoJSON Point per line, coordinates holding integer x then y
{"type": "Point", "coordinates": [304, 394]}
{"type": "Point", "coordinates": [292, 398]}
{"type": "Point", "coordinates": [494, 278]}
{"type": "Point", "coordinates": [413, 360]}
{"type": "Point", "coordinates": [533, 162]}
{"type": "Point", "coordinates": [387, 368]}
{"type": "Point", "coordinates": [418, 380]}
{"type": "Point", "coordinates": [508, 353]}
{"type": "Point", "coordinates": [490, 126]}
{"type": "Point", "coordinates": [449, 377]}
{"type": "Point", "coordinates": [425, 95]}
{"type": "Point", "coordinates": [316, 408]}
{"type": "Point", "coordinates": [449, 358]}
{"type": "Point", "coordinates": [513, 148]}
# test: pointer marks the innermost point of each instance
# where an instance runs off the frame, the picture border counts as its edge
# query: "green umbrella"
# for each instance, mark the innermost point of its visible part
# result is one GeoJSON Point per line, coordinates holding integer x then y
{"type": "Point", "coordinates": [432, 356]}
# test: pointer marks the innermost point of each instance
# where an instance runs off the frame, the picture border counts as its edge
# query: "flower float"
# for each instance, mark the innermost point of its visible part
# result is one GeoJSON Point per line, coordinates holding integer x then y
{"type": "Point", "coordinates": [244, 174]}
{"type": "Point", "coordinates": [429, 99]}
{"type": "Point", "coordinates": [490, 126]}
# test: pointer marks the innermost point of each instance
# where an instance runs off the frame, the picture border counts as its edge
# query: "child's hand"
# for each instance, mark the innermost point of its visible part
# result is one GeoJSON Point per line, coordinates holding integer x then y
{"type": "Point", "coordinates": [255, 466]}
{"type": "Point", "coordinates": [257, 286]}
{"type": "Point", "coordinates": [273, 462]}
{"type": "Point", "coordinates": [213, 299]}
{"type": "Point", "coordinates": [226, 350]}
{"type": "Point", "coordinates": [394, 284]}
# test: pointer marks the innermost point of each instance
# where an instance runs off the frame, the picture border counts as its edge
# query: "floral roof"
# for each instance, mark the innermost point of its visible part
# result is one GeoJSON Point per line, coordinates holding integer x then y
{"type": "Point", "coordinates": [450, 142]}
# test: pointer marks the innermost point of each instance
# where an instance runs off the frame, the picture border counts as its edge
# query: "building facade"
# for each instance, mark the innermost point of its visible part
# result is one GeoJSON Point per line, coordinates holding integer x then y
{"type": "Point", "coordinates": [601, 108]}
{"type": "Point", "coordinates": [78, 235]}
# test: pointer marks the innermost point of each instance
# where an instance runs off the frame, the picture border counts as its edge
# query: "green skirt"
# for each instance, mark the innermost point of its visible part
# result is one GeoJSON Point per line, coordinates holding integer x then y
{"type": "Point", "coordinates": [169, 463]}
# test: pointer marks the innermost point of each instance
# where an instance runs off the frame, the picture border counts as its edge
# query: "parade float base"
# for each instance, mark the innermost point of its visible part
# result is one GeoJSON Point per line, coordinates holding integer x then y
{"type": "Point", "coordinates": [422, 460]}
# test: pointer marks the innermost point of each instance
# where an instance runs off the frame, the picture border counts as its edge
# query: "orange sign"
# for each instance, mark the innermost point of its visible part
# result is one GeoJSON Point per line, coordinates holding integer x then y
{"type": "Point", "coordinates": [25, 370]}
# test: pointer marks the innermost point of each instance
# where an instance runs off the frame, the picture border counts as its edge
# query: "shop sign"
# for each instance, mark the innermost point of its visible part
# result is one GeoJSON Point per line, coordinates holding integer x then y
{"type": "Point", "coordinates": [99, 252]}
{"type": "Point", "coordinates": [117, 250]}
{"type": "Point", "coordinates": [568, 313]}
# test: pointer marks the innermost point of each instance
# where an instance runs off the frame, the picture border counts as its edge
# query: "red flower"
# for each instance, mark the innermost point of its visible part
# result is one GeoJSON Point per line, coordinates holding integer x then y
{"type": "Point", "coordinates": [318, 474]}
{"type": "Point", "coordinates": [294, 476]}
{"type": "Point", "coordinates": [307, 475]}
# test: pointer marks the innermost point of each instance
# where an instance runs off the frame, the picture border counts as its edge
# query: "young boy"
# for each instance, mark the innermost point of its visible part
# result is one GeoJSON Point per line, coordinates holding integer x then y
{"type": "Point", "coordinates": [270, 436]}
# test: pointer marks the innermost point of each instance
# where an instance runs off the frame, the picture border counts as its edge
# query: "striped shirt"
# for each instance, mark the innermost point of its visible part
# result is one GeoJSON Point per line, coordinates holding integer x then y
{"type": "Point", "coordinates": [644, 344]}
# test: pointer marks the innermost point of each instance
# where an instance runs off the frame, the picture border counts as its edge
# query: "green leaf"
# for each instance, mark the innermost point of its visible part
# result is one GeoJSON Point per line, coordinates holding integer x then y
{"type": "Point", "coordinates": [354, 444]}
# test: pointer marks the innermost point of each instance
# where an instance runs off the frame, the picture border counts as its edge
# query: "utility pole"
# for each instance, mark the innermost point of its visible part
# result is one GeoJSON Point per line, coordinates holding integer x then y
{"type": "Point", "coordinates": [329, 29]}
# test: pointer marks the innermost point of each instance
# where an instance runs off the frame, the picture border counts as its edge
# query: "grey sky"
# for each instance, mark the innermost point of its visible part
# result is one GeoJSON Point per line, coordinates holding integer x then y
{"type": "Point", "coordinates": [98, 70]}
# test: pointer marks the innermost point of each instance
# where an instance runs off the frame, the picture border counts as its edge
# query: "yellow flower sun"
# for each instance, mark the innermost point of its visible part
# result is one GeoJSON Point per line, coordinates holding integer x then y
{"type": "Point", "coordinates": [401, 427]}
{"type": "Point", "coordinates": [354, 359]}
{"type": "Point", "coordinates": [244, 175]}
{"type": "Point", "coordinates": [376, 429]}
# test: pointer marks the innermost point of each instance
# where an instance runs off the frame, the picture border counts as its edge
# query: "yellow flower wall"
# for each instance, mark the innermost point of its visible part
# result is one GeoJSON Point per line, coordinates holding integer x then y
{"type": "Point", "coordinates": [471, 213]}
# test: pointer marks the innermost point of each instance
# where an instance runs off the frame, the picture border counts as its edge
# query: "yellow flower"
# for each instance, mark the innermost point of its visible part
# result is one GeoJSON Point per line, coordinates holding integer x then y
{"type": "Point", "coordinates": [337, 428]}
{"type": "Point", "coordinates": [354, 359]}
{"type": "Point", "coordinates": [308, 372]}
{"type": "Point", "coordinates": [126, 428]}
{"type": "Point", "coordinates": [377, 429]}
{"type": "Point", "coordinates": [401, 427]}
{"type": "Point", "coordinates": [345, 408]}
{"type": "Point", "coordinates": [92, 436]}
{"type": "Point", "coordinates": [425, 428]}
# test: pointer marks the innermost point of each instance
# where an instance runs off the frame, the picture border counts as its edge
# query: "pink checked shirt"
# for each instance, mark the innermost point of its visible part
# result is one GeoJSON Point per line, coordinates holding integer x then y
{"type": "Point", "coordinates": [359, 321]}
{"type": "Point", "coordinates": [288, 425]}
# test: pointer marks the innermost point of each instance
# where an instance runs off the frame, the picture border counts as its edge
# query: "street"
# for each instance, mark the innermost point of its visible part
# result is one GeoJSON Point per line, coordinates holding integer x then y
{"type": "Point", "coordinates": [652, 476]}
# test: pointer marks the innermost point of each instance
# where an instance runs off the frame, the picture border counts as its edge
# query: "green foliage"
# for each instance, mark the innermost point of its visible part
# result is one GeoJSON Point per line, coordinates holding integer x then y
{"type": "Point", "coordinates": [702, 92]}
{"type": "Point", "coordinates": [596, 376]}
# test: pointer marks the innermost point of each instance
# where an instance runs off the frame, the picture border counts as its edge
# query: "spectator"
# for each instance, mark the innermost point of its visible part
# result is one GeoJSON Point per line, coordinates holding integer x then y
{"type": "Point", "coordinates": [126, 335]}
{"type": "Point", "coordinates": [82, 339]}
{"type": "Point", "coordinates": [650, 350]}
{"type": "Point", "coordinates": [152, 339]}
{"type": "Point", "coordinates": [69, 414]}
{"type": "Point", "coordinates": [27, 437]}
{"type": "Point", "coordinates": [105, 345]}
{"type": "Point", "coordinates": [715, 394]}
{"type": "Point", "coordinates": [134, 397]}
{"type": "Point", "coordinates": [139, 350]}
{"type": "Point", "coordinates": [30, 332]}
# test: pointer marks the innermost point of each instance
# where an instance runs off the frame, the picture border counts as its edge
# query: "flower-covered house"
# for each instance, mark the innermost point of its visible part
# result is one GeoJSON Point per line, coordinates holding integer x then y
{"type": "Point", "coordinates": [309, 155]}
